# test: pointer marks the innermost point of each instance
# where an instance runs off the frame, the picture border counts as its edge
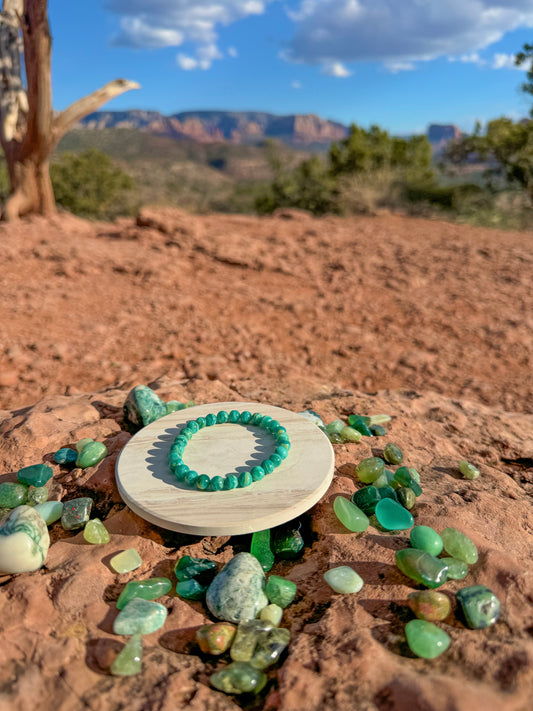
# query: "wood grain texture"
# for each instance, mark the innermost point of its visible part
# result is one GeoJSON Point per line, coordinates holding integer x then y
{"type": "Point", "coordinates": [151, 490]}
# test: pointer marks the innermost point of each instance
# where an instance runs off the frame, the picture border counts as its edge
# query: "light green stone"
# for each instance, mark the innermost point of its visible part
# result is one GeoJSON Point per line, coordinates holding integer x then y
{"type": "Point", "coordinates": [392, 453]}
{"type": "Point", "coordinates": [280, 591]}
{"type": "Point", "coordinates": [238, 678]}
{"type": "Point", "coordinates": [82, 443]}
{"type": "Point", "coordinates": [95, 532]}
{"type": "Point", "coordinates": [426, 539]}
{"type": "Point", "coordinates": [425, 639]}
{"type": "Point", "coordinates": [422, 567]}
{"type": "Point", "coordinates": [245, 639]}
{"type": "Point", "coordinates": [350, 515]}
{"type": "Point", "coordinates": [348, 434]}
{"type": "Point", "coordinates": [129, 661]}
{"type": "Point", "coordinates": [271, 613]}
{"type": "Point", "coordinates": [459, 546]}
{"type": "Point", "coordinates": [369, 469]}
{"type": "Point", "coordinates": [379, 419]}
{"type": "Point", "coordinates": [37, 495]}
{"type": "Point", "coordinates": [469, 471]}
{"type": "Point", "coordinates": [35, 475]}
{"type": "Point", "coordinates": [335, 427]}
{"type": "Point", "coordinates": [140, 617]}
{"type": "Point", "coordinates": [415, 475]}
{"type": "Point", "coordinates": [91, 455]}
{"type": "Point", "coordinates": [237, 592]}
{"type": "Point", "coordinates": [12, 494]}
{"type": "Point", "coordinates": [381, 481]}
{"type": "Point", "coordinates": [24, 541]}
{"type": "Point", "coordinates": [51, 511]}
{"type": "Point", "coordinates": [260, 549]}
{"type": "Point", "coordinates": [269, 646]}
{"type": "Point", "coordinates": [406, 497]}
{"type": "Point", "coordinates": [126, 561]}
{"type": "Point", "coordinates": [457, 569]}
{"type": "Point", "coordinates": [146, 589]}
{"type": "Point", "coordinates": [343, 579]}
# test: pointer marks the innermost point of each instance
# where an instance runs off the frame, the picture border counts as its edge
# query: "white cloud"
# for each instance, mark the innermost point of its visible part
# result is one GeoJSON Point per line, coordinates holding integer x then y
{"type": "Point", "coordinates": [505, 61]}
{"type": "Point", "coordinates": [469, 58]}
{"type": "Point", "coordinates": [170, 23]}
{"type": "Point", "coordinates": [335, 69]}
{"type": "Point", "coordinates": [296, 84]}
{"type": "Point", "coordinates": [396, 67]}
{"type": "Point", "coordinates": [342, 31]}
{"type": "Point", "coordinates": [232, 52]}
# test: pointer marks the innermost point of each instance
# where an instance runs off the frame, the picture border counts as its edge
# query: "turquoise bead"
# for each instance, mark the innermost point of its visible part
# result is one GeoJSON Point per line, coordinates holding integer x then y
{"type": "Point", "coordinates": [245, 417]}
{"type": "Point", "coordinates": [425, 639]}
{"type": "Point", "coordinates": [267, 466]}
{"type": "Point", "coordinates": [275, 459]}
{"type": "Point", "coordinates": [193, 426]}
{"type": "Point", "coordinates": [256, 418]}
{"type": "Point", "coordinates": [426, 539]}
{"type": "Point", "coordinates": [234, 416]}
{"type": "Point", "coordinates": [203, 482]}
{"type": "Point", "coordinates": [266, 421]}
{"type": "Point", "coordinates": [210, 420]}
{"type": "Point", "coordinates": [35, 475]}
{"type": "Point", "coordinates": [174, 459]}
{"type": "Point", "coordinates": [282, 452]}
{"type": "Point", "coordinates": [222, 417]}
{"type": "Point", "coordinates": [200, 421]}
{"type": "Point", "coordinates": [257, 473]}
{"type": "Point", "coordinates": [245, 479]}
{"type": "Point", "coordinates": [65, 456]}
{"type": "Point", "coordinates": [191, 477]}
{"type": "Point", "coordinates": [187, 433]}
{"type": "Point", "coordinates": [393, 516]}
{"type": "Point", "coordinates": [180, 440]}
{"type": "Point", "coordinates": [231, 482]}
{"type": "Point", "coordinates": [217, 483]}
{"type": "Point", "coordinates": [181, 472]}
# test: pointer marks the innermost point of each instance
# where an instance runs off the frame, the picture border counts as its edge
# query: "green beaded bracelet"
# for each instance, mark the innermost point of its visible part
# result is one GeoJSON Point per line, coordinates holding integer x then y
{"type": "Point", "coordinates": [231, 481]}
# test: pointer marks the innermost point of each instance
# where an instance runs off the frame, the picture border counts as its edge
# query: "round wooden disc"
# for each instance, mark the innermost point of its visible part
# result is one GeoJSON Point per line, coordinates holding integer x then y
{"type": "Point", "coordinates": [149, 488]}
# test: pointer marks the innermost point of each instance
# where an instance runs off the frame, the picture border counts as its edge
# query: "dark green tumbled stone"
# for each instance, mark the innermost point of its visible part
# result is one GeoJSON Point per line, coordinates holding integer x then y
{"type": "Point", "coordinates": [392, 453]}
{"type": "Point", "coordinates": [288, 542]}
{"type": "Point", "coordinates": [406, 496]}
{"type": "Point", "coordinates": [378, 430]}
{"type": "Point", "coordinates": [222, 417]}
{"type": "Point", "coordinates": [387, 492]}
{"type": "Point", "coordinates": [366, 499]}
{"type": "Point", "coordinates": [422, 567]}
{"type": "Point", "coordinates": [76, 513]}
{"type": "Point", "coordinates": [35, 475]}
{"type": "Point", "coordinates": [404, 478]}
{"type": "Point", "coordinates": [361, 427]}
{"type": "Point", "coordinates": [191, 590]}
{"type": "Point", "coordinates": [143, 406]}
{"type": "Point", "coordinates": [358, 420]}
{"type": "Point", "coordinates": [260, 549]}
{"type": "Point", "coordinates": [65, 456]}
{"type": "Point", "coordinates": [188, 568]}
{"type": "Point", "coordinates": [12, 495]}
{"type": "Point", "coordinates": [480, 606]}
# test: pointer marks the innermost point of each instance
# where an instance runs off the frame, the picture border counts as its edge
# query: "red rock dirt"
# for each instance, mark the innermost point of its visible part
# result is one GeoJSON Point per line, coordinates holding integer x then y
{"type": "Point", "coordinates": [427, 321]}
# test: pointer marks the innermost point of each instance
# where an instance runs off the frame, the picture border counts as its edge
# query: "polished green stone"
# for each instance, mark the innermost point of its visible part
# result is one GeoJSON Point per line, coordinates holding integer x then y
{"type": "Point", "coordinates": [271, 613]}
{"type": "Point", "coordinates": [12, 494]}
{"type": "Point", "coordinates": [288, 542]}
{"type": "Point", "coordinates": [201, 569]}
{"type": "Point", "coordinates": [381, 481]}
{"type": "Point", "coordinates": [210, 419]}
{"type": "Point", "coordinates": [245, 417]}
{"type": "Point", "coordinates": [245, 479]}
{"type": "Point", "coordinates": [191, 477]}
{"type": "Point", "coordinates": [426, 539]}
{"type": "Point", "coordinates": [91, 455]}
{"type": "Point", "coordinates": [388, 492]}
{"type": "Point", "coordinates": [378, 430]}
{"type": "Point", "coordinates": [350, 515]}
{"type": "Point", "coordinates": [174, 406]}
{"type": "Point", "coordinates": [280, 591]}
{"type": "Point", "coordinates": [393, 516]}
{"type": "Point", "coordinates": [469, 471]}
{"type": "Point", "coordinates": [349, 434]}
{"type": "Point", "coordinates": [191, 589]}
{"type": "Point", "coordinates": [146, 589]}
{"type": "Point", "coordinates": [368, 470]}
{"type": "Point", "coordinates": [76, 513]}
{"type": "Point", "coordinates": [358, 420]}
{"type": "Point", "coordinates": [429, 605]}
{"type": "Point", "coordinates": [95, 532]}
{"type": "Point", "coordinates": [343, 579]}
{"type": "Point", "coordinates": [237, 592]}
{"type": "Point", "coordinates": [459, 546]}
{"type": "Point", "coordinates": [245, 639]}
{"type": "Point", "coordinates": [425, 639]}
{"type": "Point", "coordinates": [37, 495]}
{"type": "Point", "coordinates": [238, 678]}
{"type": "Point", "coordinates": [422, 567]}
{"type": "Point", "coordinates": [366, 499]}
{"type": "Point", "coordinates": [362, 427]}
{"type": "Point", "coordinates": [275, 459]}
{"type": "Point", "coordinates": [65, 456]}
{"type": "Point", "coordinates": [260, 549]}
{"type": "Point", "coordinates": [457, 569]}
{"type": "Point", "coordinates": [143, 406]}
{"type": "Point", "coordinates": [415, 475]}
{"type": "Point", "coordinates": [269, 646]}
{"type": "Point", "coordinates": [392, 453]}
{"type": "Point", "coordinates": [404, 478]}
{"type": "Point", "coordinates": [335, 438]}
{"type": "Point", "coordinates": [406, 497]}
{"type": "Point", "coordinates": [126, 561]}
{"type": "Point", "coordinates": [35, 475]}
{"type": "Point", "coordinates": [82, 443]}
{"type": "Point", "coordinates": [479, 605]}
{"type": "Point", "coordinates": [51, 511]}
{"type": "Point", "coordinates": [335, 427]}
{"type": "Point", "coordinates": [216, 638]}
{"type": "Point", "coordinates": [129, 660]}
{"type": "Point", "coordinates": [140, 617]}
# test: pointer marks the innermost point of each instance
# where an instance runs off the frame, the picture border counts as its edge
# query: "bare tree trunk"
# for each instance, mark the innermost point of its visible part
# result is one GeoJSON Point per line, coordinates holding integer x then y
{"type": "Point", "coordinates": [28, 130]}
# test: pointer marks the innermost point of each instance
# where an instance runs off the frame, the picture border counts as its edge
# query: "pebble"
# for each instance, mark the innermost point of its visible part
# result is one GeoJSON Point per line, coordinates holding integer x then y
{"type": "Point", "coordinates": [237, 592]}
{"type": "Point", "coordinates": [245, 641]}
{"type": "Point", "coordinates": [82, 443]}
{"type": "Point", "coordinates": [313, 417]}
{"type": "Point", "coordinates": [457, 569]}
{"type": "Point", "coordinates": [191, 589]}
{"type": "Point", "coordinates": [239, 678]}
{"type": "Point", "coordinates": [202, 569]}
{"type": "Point", "coordinates": [429, 605]}
{"type": "Point", "coordinates": [143, 406]}
{"type": "Point", "coordinates": [469, 471]}
{"type": "Point", "coordinates": [91, 455]}
{"type": "Point", "coordinates": [393, 516]}
{"type": "Point", "coordinates": [260, 549]}
{"type": "Point", "coordinates": [95, 532]}
{"type": "Point", "coordinates": [404, 478]}
{"type": "Point", "coordinates": [350, 515]}
{"type": "Point", "coordinates": [146, 589]}
{"type": "Point", "coordinates": [35, 475]}
{"type": "Point", "coordinates": [422, 567]}
{"type": "Point", "coordinates": [406, 497]}
{"type": "Point", "coordinates": [392, 453]}
{"type": "Point", "coordinates": [76, 513]}
{"type": "Point", "coordinates": [425, 639]}
{"type": "Point", "coordinates": [343, 579]}
{"type": "Point", "coordinates": [216, 638]}
{"type": "Point", "coordinates": [369, 469]}
{"type": "Point", "coordinates": [51, 511]}
{"type": "Point", "coordinates": [366, 499]}
{"type": "Point", "coordinates": [479, 605]}
{"type": "Point", "coordinates": [269, 647]}
{"type": "Point", "coordinates": [126, 561]}
{"type": "Point", "coordinates": [287, 541]}
{"type": "Point", "coordinates": [37, 495]}
{"type": "Point", "coordinates": [349, 434]}
{"type": "Point", "coordinates": [426, 539]}
{"type": "Point", "coordinates": [280, 591]}
{"type": "Point", "coordinates": [459, 546]}
{"type": "Point", "coordinates": [24, 541]}
{"type": "Point", "coordinates": [335, 427]}
{"type": "Point", "coordinates": [129, 660]}
{"type": "Point", "coordinates": [271, 613]}
{"type": "Point", "coordinates": [378, 430]}
{"type": "Point", "coordinates": [140, 617]}
{"type": "Point", "coordinates": [65, 456]}
{"type": "Point", "coordinates": [12, 494]}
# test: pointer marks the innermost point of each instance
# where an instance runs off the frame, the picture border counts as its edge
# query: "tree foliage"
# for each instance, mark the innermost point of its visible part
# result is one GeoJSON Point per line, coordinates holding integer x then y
{"type": "Point", "coordinates": [523, 57]}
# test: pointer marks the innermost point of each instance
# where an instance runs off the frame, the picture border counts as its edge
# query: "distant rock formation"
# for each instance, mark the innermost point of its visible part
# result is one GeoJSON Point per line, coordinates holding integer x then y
{"type": "Point", "coordinates": [439, 135]}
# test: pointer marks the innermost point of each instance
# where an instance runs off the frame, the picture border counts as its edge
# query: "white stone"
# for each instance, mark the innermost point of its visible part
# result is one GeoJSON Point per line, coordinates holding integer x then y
{"type": "Point", "coordinates": [24, 541]}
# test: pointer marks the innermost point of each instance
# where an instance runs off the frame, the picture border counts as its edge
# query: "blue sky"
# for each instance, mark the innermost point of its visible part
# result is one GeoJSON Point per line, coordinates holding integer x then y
{"type": "Point", "coordinates": [399, 63]}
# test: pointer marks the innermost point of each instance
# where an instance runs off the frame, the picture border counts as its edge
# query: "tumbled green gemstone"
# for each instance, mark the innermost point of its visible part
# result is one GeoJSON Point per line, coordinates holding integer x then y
{"type": "Point", "coordinates": [271, 613]}
{"type": "Point", "coordinates": [222, 417]}
{"type": "Point", "coordinates": [129, 660]}
{"type": "Point", "coordinates": [459, 546]}
{"type": "Point", "coordinates": [82, 443]}
{"type": "Point", "coordinates": [91, 455]}
{"type": "Point", "coordinates": [425, 639]}
{"type": "Point", "coordinates": [388, 492]}
{"type": "Point", "coordinates": [257, 473]}
{"type": "Point", "coordinates": [480, 606]}
{"type": "Point", "coordinates": [245, 479]}
{"type": "Point", "coordinates": [126, 561]}
{"type": "Point", "coordinates": [381, 481]}
{"type": "Point", "coordinates": [216, 638]}
{"type": "Point", "coordinates": [429, 605]}
{"type": "Point", "coordinates": [379, 419]}
{"type": "Point", "coordinates": [359, 419]}
{"type": "Point", "coordinates": [51, 511]}
{"type": "Point", "coordinates": [415, 475]}
{"type": "Point", "coordinates": [392, 453]}
{"type": "Point", "coordinates": [457, 569]}
{"type": "Point", "coordinates": [174, 406]}
{"type": "Point", "coordinates": [260, 549]}
{"type": "Point", "coordinates": [217, 483]}
{"type": "Point", "coordinates": [335, 427]}
{"type": "Point", "coordinates": [65, 456]}
{"type": "Point", "coordinates": [280, 591]}
{"type": "Point", "coordinates": [188, 568]}
{"type": "Point", "coordinates": [422, 567]}
{"type": "Point", "coordinates": [393, 516]}
{"type": "Point", "coordinates": [362, 427]}
{"type": "Point", "coordinates": [203, 482]}
{"type": "Point", "coordinates": [191, 590]}
{"type": "Point", "coordinates": [35, 475]}
{"type": "Point", "coordinates": [350, 515]}
{"type": "Point", "coordinates": [426, 539]}
{"type": "Point", "coordinates": [76, 513]}
{"type": "Point", "coordinates": [140, 617]}
{"type": "Point", "coordinates": [406, 497]}
{"type": "Point", "coordinates": [238, 678]}
{"type": "Point", "coordinates": [404, 478]}
{"type": "Point", "coordinates": [378, 430]}
{"type": "Point", "coordinates": [37, 495]}
{"type": "Point", "coordinates": [95, 532]}
{"type": "Point", "coordinates": [146, 589]}
{"type": "Point", "coordinates": [288, 542]}
{"type": "Point", "coordinates": [335, 438]}
{"type": "Point", "coordinates": [210, 420]}
{"type": "Point", "coordinates": [269, 646]}
{"type": "Point", "coordinates": [231, 482]}
{"type": "Point", "coordinates": [143, 406]}
{"type": "Point", "coordinates": [469, 471]}
{"type": "Point", "coordinates": [369, 469]}
{"type": "Point", "coordinates": [366, 499]}
{"type": "Point", "coordinates": [245, 639]}
{"type": "Point", "coordinates": [343, 579]}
